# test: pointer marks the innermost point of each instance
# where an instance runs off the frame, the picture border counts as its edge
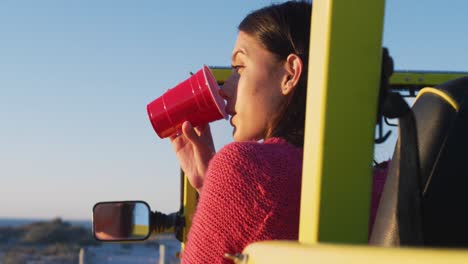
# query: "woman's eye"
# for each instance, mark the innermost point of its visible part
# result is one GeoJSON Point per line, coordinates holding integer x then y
{"type": "Point", "coordinates": [237, 68]}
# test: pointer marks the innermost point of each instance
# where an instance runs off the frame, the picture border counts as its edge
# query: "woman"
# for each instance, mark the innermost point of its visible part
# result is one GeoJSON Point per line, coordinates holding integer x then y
{"type": "Point", "coordinates": [250, 190]}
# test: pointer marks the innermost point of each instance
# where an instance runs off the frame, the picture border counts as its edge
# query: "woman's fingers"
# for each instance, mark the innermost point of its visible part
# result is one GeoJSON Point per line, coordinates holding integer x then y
{"type": "Point", "coordinates": [178, 142]}
{"type": "Point", "coordinates": [190, 133]}
{"type": "Point", "coordinates": [201, 129]}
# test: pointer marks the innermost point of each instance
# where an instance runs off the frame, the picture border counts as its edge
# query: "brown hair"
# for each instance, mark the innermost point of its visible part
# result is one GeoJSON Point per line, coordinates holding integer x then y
{"type": "Point", "coordinates": [284, 29]}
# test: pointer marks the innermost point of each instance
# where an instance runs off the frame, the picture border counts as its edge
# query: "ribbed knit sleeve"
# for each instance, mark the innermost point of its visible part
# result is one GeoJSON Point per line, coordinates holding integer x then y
{"type": "Point", "coordinates": [251, 193]}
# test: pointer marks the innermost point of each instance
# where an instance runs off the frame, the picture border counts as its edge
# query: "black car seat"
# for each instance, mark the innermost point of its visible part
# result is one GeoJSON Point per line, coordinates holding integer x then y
{"type": "Point", "coordinates": [425, 198]}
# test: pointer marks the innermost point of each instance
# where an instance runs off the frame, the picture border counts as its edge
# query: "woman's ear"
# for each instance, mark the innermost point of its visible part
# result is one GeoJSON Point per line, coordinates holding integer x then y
{"type": "Point", "coordinates": [293, 67]}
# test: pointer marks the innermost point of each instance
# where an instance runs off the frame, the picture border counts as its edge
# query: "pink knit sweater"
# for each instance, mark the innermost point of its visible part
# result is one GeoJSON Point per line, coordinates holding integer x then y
{"type": "Point", "coordinates": [251, 193]}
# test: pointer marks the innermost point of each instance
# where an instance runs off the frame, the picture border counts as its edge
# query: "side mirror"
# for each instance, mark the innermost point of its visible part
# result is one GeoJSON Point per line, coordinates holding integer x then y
{"type": "Point", "coordinates": [121, 221]}
{"type": "Point", "coordinates": [132, 221]}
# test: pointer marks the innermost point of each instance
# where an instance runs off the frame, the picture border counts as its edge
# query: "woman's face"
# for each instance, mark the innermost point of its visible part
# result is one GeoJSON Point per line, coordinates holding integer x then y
{"type": "Point", "coordinates": [253, 91]}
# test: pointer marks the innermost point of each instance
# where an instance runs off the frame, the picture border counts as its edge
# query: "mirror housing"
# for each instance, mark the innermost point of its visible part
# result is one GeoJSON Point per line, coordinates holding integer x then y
{"type": "Point", "coordinates": [131, 221]}
{"type": "Point", "coordinates": [121, 221]}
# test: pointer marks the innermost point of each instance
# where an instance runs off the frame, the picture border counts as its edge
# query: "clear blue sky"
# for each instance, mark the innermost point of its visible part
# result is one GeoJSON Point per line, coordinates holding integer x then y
{"type": "Point", "coordinates": [75, 78]}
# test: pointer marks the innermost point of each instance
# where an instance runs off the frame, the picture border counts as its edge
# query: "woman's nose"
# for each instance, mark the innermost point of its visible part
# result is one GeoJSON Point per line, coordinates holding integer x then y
{"type": "Point", "coordinates": [222, 92]}
{"type": "Point", "coordinates": [226, 90]}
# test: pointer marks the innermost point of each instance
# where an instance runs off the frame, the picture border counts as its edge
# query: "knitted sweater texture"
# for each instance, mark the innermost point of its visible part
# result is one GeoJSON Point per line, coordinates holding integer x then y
{"type": "Point", "coordinates": [251, 193]}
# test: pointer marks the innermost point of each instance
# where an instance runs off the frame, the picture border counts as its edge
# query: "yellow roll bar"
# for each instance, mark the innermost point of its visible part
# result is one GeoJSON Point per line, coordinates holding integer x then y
{"type": "Point", "coordinates": [400, 78]}
{"type": "Point", "coordinates": [290, 252]}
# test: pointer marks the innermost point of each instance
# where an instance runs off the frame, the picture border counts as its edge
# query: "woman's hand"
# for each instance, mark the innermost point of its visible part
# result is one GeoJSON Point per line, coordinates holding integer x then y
{"type": "Point", "coordinates": [194, 149]}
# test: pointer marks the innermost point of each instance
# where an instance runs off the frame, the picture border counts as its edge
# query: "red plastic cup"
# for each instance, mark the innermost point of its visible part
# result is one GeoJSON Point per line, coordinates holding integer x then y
{"type": "Point", "coordinates": [195, 100]}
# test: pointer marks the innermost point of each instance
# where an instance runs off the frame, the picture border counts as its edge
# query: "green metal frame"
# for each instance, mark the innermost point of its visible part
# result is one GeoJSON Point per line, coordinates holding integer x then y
{"type": "Point", "coordinates": [423, 78]}
{"type": "Point", "coordinates": [344, 71]}
{"type": "Point", "coordinates": [189, 196]}
{"type": "Point", "coordinates": [399, 80]}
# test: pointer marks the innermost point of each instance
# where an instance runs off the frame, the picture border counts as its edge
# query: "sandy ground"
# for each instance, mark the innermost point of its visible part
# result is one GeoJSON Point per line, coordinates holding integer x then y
{"type": "Point", "coordinates": [138, 253]}
{"type": "Point", "coordinates": [146, 252]}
